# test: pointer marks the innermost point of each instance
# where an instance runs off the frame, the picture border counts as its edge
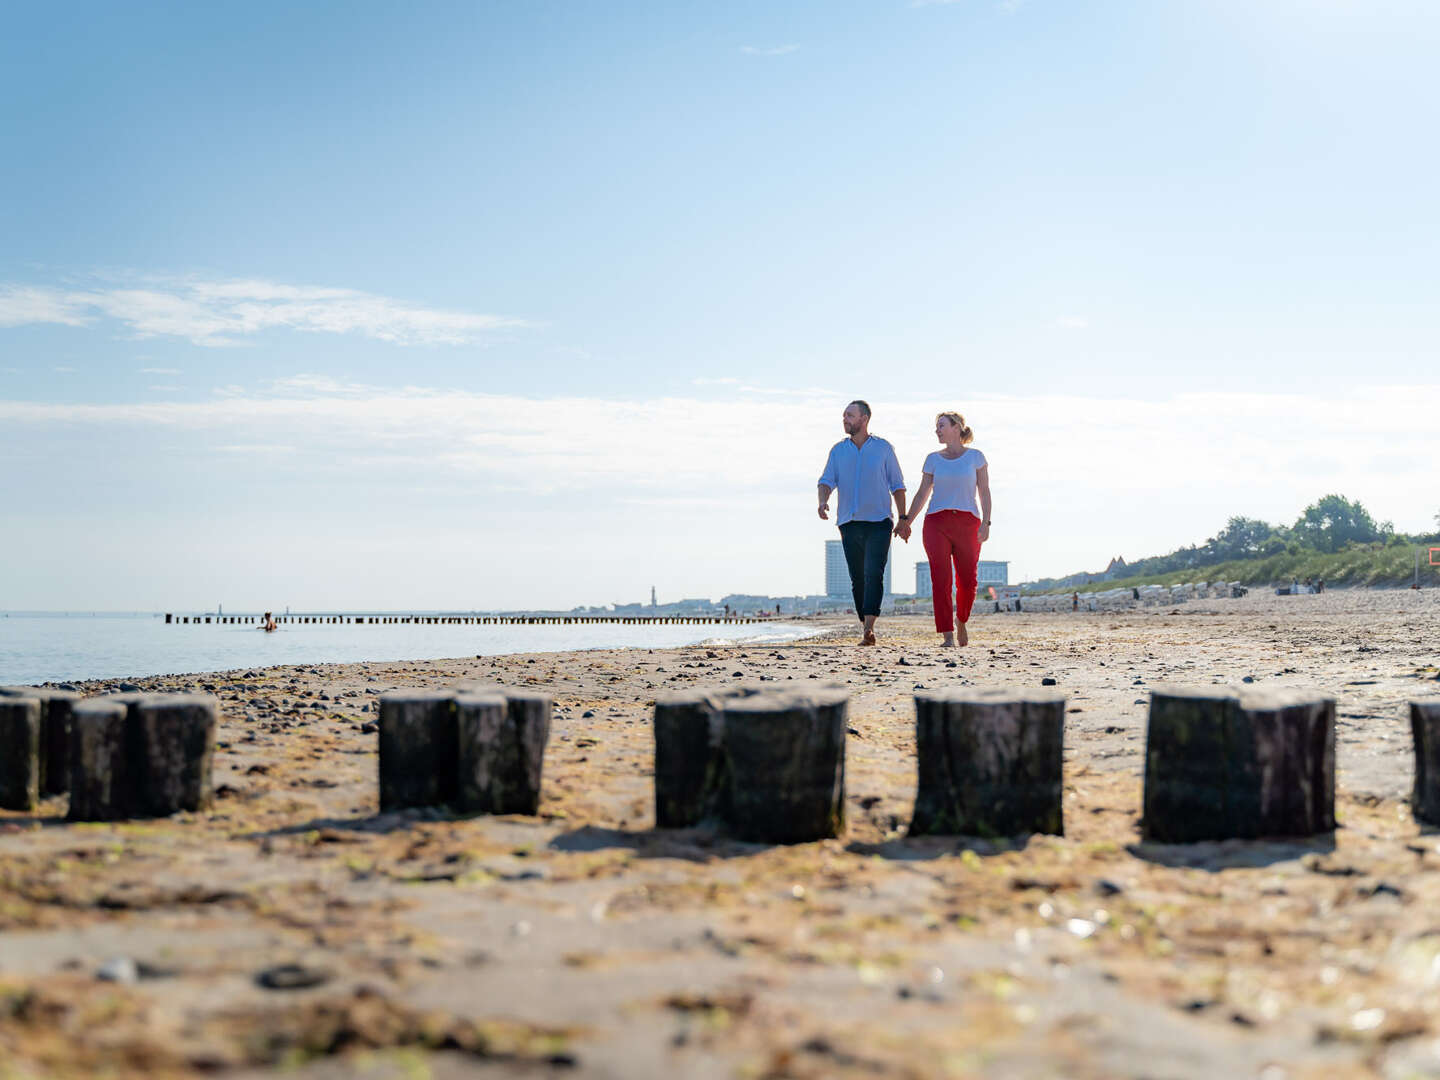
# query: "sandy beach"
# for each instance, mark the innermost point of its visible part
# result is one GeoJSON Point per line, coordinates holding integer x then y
{"type": "Point", "coordinates": [296, 928]}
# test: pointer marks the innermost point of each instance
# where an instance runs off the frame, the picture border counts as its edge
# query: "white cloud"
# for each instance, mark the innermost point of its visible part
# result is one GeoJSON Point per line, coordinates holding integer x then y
{"type": "Point", "coordinates": [225, 312]}
{"type": "Point", "coordinates": [1009, 7]}
{"type": "Point", "coordinates": [159, 371]}
{"type": "Point", "coordinates": [1077, 479]}
{"type": "Point", "coordinates": [1073, 322]}
{"type": "Point", "coordinates": [63, 369]}
{"type": "Point", "coordinates": [768, 50]}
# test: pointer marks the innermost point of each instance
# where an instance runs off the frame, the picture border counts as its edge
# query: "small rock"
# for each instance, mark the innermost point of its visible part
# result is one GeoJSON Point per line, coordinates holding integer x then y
{"type": "Point", "coordinates": [292, 977]}
{"type": "Point", "coordinates": [369, 727]}
{"type": "Point", "coordinates": [129, 688]}
{"type": "Point", "coordinates": [1248, 678]}
{"type": "Point", "coordinates": [587, 714]}
{"type": "Point", "coordinates": [1106, 887]}
{"type": "Point", "coordinates": [1048, 681]}
{"type": "Point", "coordinates": [118, 969]}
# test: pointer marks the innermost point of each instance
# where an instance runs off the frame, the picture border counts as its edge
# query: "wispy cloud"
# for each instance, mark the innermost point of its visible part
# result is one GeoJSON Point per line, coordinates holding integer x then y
{"type": "Point", "coordinates": [1073, 322]}
{"type": "Point", "coordinates": [226, 312]}
{"type": "Point", "coordinates": [1142, 476]}
{"type": "Point", "coordinates": [1009, 7]}
{"type": "Point", "coordinates": [159, 371]}
{"type": "Point", "coordinates": [768, 50]}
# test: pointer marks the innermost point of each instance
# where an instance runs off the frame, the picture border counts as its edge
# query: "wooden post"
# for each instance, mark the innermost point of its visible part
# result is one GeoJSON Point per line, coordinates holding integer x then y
{"type": "Point", "coordinates": [1223, 765]}
{"type": "Point", "coordinates": [689, 757]}
{"type": "Point", "coordinates": [785, 765]}
{"type": "Point", "coordinates": [55, 706]}
{"type": "Point", "coordinates": [100, 788]}
{"type": "Point", "coordinates": [1425, 730]}
{"type": "Point", "coordinates": [19, 753]}
{"type": "Point", "coordinates": [172, 737]}
{"type": "Point", "coordinates": [418, 764]}
{"type": "Point", "coordinates": [501, 750]}
{"type": "Point", "coordinates": [990, 762]}
{"type": "Point", "coordinates": [141, 755]}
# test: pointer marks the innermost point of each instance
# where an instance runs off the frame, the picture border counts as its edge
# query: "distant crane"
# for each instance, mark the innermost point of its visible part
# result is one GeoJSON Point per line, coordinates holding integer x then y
{"type": "Point", "coordinates": [652, 597]}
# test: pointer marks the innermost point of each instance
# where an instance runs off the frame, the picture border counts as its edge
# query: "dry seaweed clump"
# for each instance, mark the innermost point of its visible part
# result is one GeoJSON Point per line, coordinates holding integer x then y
{"type": "Point", "coordinates": [69, 1027]}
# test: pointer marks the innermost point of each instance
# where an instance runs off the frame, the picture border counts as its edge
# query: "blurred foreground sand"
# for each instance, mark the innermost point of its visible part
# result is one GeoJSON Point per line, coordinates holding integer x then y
{"type": "Point", "coordinates": [584, 942]}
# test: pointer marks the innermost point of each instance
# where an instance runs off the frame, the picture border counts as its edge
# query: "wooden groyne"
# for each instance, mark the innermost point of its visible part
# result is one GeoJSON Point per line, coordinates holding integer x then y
{"type": "Point", "coordinates": [172, 619]}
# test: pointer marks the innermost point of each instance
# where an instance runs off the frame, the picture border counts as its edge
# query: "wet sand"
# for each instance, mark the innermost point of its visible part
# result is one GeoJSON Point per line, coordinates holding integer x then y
{"type": "Point", "coordinates": [296, 928]}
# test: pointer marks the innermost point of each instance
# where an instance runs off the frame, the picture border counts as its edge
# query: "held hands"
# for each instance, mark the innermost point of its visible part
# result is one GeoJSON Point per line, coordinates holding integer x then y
{"type": "Point", "coordinates": [902, 530]}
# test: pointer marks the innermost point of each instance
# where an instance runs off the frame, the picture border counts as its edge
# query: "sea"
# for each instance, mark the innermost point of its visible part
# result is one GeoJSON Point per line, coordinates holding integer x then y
{"type": "Point", "coordinates": [59, 647]}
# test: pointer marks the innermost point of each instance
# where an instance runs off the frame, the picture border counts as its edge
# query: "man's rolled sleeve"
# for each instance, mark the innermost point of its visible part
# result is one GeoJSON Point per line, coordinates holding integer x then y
{"type": "Point", "coordinates": [893, 476]}
{"type": "Point", "coordinates": [830, 477]}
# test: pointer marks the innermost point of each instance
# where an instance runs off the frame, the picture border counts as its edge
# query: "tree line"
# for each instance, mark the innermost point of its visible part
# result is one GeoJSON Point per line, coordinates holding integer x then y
{"type": "Point", "coordinates": [1330, 524]}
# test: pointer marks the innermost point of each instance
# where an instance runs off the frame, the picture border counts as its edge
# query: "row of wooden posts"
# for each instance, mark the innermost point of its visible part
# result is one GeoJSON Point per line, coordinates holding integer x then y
{"type": "Point", "coordinates": [172, 619]}
{"type": "Point", "coordinates": [767, 764]}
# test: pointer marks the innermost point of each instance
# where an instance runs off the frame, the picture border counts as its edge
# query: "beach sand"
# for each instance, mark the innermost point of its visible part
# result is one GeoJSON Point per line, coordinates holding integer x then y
{"type": "Point", "coordinates": [584, 942]}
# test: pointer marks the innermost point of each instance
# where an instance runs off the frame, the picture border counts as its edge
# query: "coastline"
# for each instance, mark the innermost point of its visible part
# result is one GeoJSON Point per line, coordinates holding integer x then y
{"type": "Point", "coordinates": [585, 942]}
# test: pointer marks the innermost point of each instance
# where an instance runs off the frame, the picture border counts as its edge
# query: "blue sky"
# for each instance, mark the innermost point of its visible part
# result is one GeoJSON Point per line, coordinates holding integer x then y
{"type": "Point", "coordinates": [545, 302]}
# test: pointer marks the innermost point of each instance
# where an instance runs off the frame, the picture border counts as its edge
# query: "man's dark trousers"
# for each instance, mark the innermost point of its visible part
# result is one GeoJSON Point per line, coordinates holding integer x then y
{"type": "Point", "coordinates": [867, 547]}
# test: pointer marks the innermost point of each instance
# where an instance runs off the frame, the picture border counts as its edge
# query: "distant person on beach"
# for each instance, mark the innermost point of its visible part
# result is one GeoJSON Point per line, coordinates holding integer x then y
{"type": "Point", "coordinates": [865, 470]}
{"type": "Point", "coordinates": [269, 623]}
{"type": "Point", "coordinates": [956, 483]}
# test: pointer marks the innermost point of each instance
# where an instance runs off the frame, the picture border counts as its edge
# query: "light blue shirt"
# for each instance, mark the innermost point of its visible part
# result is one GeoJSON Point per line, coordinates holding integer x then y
{"type": "Point", "coordinates": [864, 476]}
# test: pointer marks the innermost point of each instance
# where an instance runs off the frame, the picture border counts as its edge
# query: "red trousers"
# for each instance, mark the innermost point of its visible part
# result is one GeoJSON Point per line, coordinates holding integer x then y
{"type": "Point", "coordinates": [952, 536]}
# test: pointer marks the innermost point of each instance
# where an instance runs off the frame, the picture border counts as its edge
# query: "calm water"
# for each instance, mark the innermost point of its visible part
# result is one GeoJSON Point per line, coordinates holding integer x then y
{"type": "Point", "coordinates": [40, 648]}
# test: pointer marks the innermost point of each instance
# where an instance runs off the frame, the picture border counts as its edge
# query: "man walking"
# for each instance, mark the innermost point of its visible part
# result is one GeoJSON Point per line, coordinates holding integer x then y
{"type": "Point", "coordinates": [864, 468]}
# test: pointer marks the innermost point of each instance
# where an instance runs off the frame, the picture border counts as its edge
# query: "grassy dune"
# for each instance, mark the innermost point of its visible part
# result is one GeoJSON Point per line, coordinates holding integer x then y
{"type": "Point", "coordinates": [1359, 566]}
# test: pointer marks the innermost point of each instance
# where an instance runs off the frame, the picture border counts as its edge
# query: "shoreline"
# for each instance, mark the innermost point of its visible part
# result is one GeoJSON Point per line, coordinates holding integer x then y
{"type": "Point", "coordinates": [585, 942]}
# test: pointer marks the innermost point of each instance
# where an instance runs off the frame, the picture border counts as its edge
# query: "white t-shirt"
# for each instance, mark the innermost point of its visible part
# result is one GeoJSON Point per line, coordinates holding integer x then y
{"type": "Point", "coordinates": [955, 481]}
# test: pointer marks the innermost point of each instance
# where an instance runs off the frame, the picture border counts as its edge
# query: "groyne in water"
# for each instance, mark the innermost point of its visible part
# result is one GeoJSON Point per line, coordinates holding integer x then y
{"type": "Point", "coordinates": [172, 619]}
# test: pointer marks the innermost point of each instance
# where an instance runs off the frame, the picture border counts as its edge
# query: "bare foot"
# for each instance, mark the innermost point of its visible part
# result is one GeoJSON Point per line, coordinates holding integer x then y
{"type": "Point", "coordinates": [869, 638]}
{"type": "Point", "coordinates": [948, 642]}
{"type": "Point", "coordinates": [963, 635]}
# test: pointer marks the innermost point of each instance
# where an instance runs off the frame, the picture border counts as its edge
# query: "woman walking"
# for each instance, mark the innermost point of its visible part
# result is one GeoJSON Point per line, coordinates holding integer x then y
{"type": "Point", "coordinates": [956, 483]}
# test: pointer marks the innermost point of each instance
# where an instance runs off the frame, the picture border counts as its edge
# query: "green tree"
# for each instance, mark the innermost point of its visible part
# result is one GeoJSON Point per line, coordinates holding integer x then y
{"type": "Point", "coordinates": [1330, 523]}
{"type": "Point", "coordinates": [1241, 538]}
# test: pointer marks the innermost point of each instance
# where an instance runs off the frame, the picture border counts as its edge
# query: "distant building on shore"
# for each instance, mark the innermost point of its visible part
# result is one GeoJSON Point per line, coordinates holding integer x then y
{"type": "Point", "coordinates": [989, 572]}
{"type": "Point", "coordinates": [837, 573]}
{"type": "Point", "coordinates": [993, 572]}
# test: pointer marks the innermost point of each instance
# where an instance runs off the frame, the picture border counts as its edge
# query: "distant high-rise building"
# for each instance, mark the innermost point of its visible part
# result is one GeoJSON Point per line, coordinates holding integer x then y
{"type": "Point", "coordinates": [992, 572]}
{"type": "Point", "coordinates": [988, 572]}
{"type": "Point", "coordinates": [837, 572]}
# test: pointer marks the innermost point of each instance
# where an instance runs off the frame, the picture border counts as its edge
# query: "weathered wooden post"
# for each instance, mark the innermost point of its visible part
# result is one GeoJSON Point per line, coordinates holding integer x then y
{"type": "Point", "coordinates": [990, 762]}
{"type": "Point", "coordinates": [55, 706]}
{"type": "Point", "coordinates": [141, 755]}
{"type": "Point", "coordinates": [19, 753]}
{"type": "Point", "coordinates": [689, 757]}
{"type": "Point", "coordinates": [785, 765]}
{"type": "Point", "coordinates": [1227, 764]}
{"type": "Point", "coordinates": [501, 750]}
{"type": "Point", "coordinates": [172, 739]}
{"type": "Point", "coordinates": [1425, 730]}
{"type": "Point", "coordinates": [418, 764]}
{"type": "Point", "coordinates": [100, 784]}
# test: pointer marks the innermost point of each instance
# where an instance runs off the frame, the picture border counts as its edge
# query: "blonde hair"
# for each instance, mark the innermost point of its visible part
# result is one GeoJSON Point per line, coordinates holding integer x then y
{"type": "Point", "coordinates": [966, 435]}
